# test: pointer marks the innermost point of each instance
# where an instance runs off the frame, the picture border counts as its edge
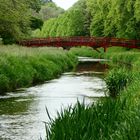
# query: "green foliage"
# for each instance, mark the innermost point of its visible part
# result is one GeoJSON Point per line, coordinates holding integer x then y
{"type": "Point", "coordinates": [106, 119]}
{"type": "Point", "coordinates": [49, 10]}
{"type": "Point", "coordinates": [74, 22]}
{"type": "Point", "coordinates": [17, 19]}
{"type": "Point", "coordinates": [86, 17]}
{"type": "Point", "coordinates": [84, 51]}
{"type": "Point", "coordinates": [46, 30]}
{"type": "Point", "coordinates": [36, 33]}
{"type": "Point", "coordinates": [99, 10]}
{"type": "Point", "coordinates": [121, 21]}
{"type": "Point", "coordinates": [109, 118]}
{"type": "Point", "coordinates": [117, 80]}
{"type": "Point", "coordinates": [22, 67]}
{"type": "Point", "coordinates": [123, 56]}
{"type": "Point", "coordinates": [4, 83]}
{"type": "Point", "coordinates": [137, 10]}
{"type": "Point", "coordinates": [97, 18]}
{"type": "Point", "coordinates": [34, 4]}
{"type": "Point", "coordinates": [14, 20]}
{"type": "Point", "coordinates": [36, 23]}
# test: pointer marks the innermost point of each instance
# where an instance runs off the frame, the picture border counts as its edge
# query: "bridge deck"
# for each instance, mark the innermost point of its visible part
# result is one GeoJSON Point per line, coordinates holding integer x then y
{"type": "Point", "coordinates": [94, 42]}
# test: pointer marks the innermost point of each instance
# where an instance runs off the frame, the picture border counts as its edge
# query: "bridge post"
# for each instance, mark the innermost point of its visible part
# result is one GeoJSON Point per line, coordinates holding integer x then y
{"type": "Point", "coordinates": [96, 50]}
{"type": "Point", "coordinates": [105, 48]}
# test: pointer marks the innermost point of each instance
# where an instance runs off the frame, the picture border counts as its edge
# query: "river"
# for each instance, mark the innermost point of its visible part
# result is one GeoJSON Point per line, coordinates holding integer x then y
{"type": "Point", "coordinates": [23, 113]}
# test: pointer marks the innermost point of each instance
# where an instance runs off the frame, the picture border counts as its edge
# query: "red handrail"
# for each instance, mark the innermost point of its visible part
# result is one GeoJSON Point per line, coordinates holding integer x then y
{"type": "Point", "coordinates": [81, 41]}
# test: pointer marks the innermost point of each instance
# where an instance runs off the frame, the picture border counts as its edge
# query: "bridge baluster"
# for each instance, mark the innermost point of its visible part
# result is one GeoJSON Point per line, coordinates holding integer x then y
{"type": "Point", "coordinates": [79, 41]}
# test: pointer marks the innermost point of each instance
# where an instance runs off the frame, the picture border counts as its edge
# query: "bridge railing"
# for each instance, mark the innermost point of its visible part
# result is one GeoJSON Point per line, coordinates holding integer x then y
{"type": "Point", "coordinates": [81, 41]}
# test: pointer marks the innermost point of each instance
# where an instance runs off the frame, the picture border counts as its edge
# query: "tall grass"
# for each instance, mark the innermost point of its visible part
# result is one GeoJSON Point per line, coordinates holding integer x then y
{"type": "Point", "coordinates": [117, 80]}
{"type": "Point", "coordinates": [115, 119]}
{"type": "Point", "coordinates": [109, 118]}
{"type": "Point", "coordinates": [22, 67]}
{"type": "Point", "coordinates": [117, 55]}
{"type": "Point", "coordinates": [86, 51]}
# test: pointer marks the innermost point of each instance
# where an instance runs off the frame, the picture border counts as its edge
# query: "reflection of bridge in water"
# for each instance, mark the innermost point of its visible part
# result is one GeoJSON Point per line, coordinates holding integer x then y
{"type": "Point", "coordinates": [68, 42]}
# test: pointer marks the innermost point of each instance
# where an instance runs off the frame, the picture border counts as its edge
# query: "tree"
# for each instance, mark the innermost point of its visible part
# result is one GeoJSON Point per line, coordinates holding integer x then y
{"type": "Point", "coordinates": [14, 20]}
{"type": "Point", "coordinates": [50, 10]}
{"type": "Point", "coordinates": [119, 18]}
{"type": "Point", "coordinates": [123, 19]}
{"type": "Point", "coordinates": [34, 4]}
{"type": "Point", "coordinates": [82, 6]}
{"type": "Point", "coordinates": [99, 10]}
{"type": "Point", "coordinates": [74, 22]}
{"type": "Point", "coordinates": [46, 1]}
{"type": "Point", "coordinates": [36, 23]}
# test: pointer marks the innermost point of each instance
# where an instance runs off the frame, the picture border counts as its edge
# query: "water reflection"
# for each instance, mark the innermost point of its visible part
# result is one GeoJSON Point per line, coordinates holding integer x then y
{"type": "Point", "coordinates": [22, 114]}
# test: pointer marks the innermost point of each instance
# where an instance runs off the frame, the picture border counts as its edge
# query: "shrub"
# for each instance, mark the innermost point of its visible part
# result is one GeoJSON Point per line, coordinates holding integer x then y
{"type": "Point", "coordinates": [117, 80]}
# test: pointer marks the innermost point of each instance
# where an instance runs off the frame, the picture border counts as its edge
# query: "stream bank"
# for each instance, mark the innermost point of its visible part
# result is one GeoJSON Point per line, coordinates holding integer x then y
{"type": "Point", "coordinates": [23, 112]}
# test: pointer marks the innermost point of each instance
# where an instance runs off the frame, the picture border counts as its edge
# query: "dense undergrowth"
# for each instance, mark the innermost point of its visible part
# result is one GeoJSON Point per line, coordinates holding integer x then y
{"type": "Point", "coordinates": [114, 118]}
{"type": "Point", "coordinates": [22, 67]}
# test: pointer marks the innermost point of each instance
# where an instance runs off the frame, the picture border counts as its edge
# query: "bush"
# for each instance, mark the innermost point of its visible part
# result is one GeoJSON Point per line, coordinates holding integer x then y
{"type": "Point", "coordinates": [117, 80]}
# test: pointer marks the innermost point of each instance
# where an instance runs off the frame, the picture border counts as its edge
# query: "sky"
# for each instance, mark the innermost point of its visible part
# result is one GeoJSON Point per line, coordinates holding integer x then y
{"type": "Point", "coordinates": [65, 4]}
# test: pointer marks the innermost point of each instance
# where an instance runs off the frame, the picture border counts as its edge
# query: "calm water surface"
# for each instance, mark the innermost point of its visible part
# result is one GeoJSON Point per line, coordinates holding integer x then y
{"type": "Point", "coordinates": [23, 113]}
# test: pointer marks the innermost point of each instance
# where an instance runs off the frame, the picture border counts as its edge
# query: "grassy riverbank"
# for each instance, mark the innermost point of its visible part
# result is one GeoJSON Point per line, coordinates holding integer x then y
{"type": "Point", "coordinates": [114, 118]}
{"type": "Point", "coordinates": [23, 67]}
{"type": "Point", "coordinates": [85, 52]}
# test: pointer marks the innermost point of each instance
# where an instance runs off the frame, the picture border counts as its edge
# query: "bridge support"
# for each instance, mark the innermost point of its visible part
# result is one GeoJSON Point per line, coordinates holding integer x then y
{"type": "Point", "coordinates": [96, 50]}
{"type": "Point", "coordinates": [105, 48]}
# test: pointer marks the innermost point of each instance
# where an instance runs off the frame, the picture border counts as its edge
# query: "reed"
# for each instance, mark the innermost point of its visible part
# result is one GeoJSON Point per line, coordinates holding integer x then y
{"type": "Point", "coordinates": [117, 80]}
{"type": "Point", "coordinates": [23, 67]}
{"type": "Point", "coordinates": [86, 51]}
{"type": "Point", "coordinates": [109, 118]}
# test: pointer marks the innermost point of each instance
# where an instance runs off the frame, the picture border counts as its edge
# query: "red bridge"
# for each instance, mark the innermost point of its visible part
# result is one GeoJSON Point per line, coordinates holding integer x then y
{"type": "Point", "coordinates": [68, 42]}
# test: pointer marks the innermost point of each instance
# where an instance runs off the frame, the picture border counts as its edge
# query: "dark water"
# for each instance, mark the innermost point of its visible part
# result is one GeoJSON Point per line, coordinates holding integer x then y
{"type": "Point", "coordinates": [22, 113]}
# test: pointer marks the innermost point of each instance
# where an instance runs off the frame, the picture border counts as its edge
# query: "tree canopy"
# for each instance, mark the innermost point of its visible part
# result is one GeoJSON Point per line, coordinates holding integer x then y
{"type": "Point", "coordinates": [16, 18]}
{"type": "Point", "coordinates": [119, 18]}
{"type": "Point", "coordinates": [74, 22]}
{"type": "Point", "coordinates": [50, 10]}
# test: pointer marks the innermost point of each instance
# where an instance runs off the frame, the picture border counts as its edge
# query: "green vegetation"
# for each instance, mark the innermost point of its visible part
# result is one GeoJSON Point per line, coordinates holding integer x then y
{"type": "Point", "coordinates": [85, 51]}
{"type": "Point", "coordinates": [85, 18]}
{"type": "Point", "coordinates": [96, 18]}
{"type": "Point", "coordinates": [22, 67]}
{"type": "Point", "coordinates": [114, 18]}
{"type": "Point", "coordinates": [15, 19]}
{"type": "Point", "coordinates": [18, 18]}
{"type": "Point", "coordinates": [49, 10]}
{"type": "Point", "coordinates": [117, 80]}
{"type": "Point", "coordinates": [109, 118]}
{"type": "Point", "coordinates": [74, 22]}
